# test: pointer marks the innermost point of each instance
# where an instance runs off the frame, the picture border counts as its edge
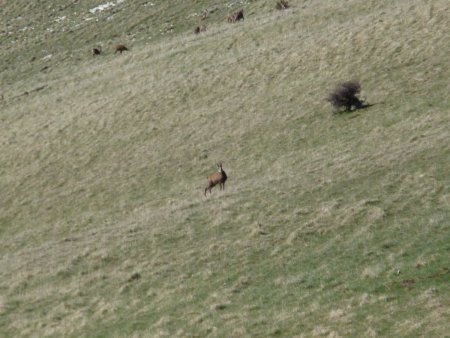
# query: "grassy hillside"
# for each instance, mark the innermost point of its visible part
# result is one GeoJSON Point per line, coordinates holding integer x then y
{"type": "Point", "coordinates": [330, 225]}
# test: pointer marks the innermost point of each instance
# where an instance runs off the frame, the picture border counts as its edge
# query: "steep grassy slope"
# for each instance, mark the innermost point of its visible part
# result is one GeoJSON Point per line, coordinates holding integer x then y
{"type": "Point", "coordinates": [329, 225]}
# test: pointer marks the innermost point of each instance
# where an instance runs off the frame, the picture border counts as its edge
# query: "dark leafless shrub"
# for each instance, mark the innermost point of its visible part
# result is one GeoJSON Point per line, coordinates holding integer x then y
{"type": "Point", "coordinates": [282, 4]}
{"type": "Point", "coordinates": [344, 96]}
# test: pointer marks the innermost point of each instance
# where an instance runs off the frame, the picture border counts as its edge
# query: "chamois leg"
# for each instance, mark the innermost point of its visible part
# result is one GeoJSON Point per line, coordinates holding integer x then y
{"type": "Point", "coordinates": [208, 188]}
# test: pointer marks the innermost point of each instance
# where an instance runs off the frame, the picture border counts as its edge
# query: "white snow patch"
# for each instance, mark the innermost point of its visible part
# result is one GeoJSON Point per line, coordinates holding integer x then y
{"type": "Point", "coordinates": [102, 7]}
{"type": "Point", "coordinates": [105, 6]}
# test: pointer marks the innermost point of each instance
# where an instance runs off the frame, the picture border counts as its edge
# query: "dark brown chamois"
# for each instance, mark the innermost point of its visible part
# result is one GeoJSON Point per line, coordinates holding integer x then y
{"type": "Point", "coordinates": [120, 49]}
{"type": "Point", "coordinates": [236, 16]}
{"type": "Point", "coordinates": [199, 29]}
{"type": "Point", "coordinates": [96, 51]}
{"type": "Point", "coordinates": [219, 177]}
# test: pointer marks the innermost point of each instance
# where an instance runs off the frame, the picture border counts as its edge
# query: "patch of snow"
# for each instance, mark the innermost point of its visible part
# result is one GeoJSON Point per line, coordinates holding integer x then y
{"type": "Point", "coordinates": [47, 57]}
{"type": "Point", "coordinates": [61, 18]}
{"type": "Point", "coordinates": [105, 6]}
{"type": "Point", "coordinates": [102, 7]}
{"type": "Point", "coordinates": [236, 2]}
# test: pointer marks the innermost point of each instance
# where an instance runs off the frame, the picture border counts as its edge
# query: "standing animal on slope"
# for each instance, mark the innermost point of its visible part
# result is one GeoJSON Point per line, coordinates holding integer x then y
{"type": "Point", "coordinates": [236, 16]}
{"type": "Point", "coordinates": [219, 177]}
{"type": "Point", "coordinates": [204, 15]}
{"type": "Point", "coordinates": [282, 4]}
{"type": "Point", "coordinates": [96, 51]}
{"type": "Point", "coordinates": [120, 49]}
{"type": "Point", "coordinates": [199, 29]}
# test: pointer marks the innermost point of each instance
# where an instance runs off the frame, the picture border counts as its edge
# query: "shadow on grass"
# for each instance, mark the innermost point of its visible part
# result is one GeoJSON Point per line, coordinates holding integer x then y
{"type": "Point", "coordinates": [350, 111]}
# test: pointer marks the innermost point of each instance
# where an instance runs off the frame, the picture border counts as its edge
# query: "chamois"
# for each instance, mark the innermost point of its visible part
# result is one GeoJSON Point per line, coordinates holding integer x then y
{"type": "Point", "coordinates": [218, 177]}
{"type": "Point", "coordinates": [119, 48]}
{"type": "Point", "coordinates": [236, 16]}
{"type": "Point", "coordinates": [239, 15]}
{"type": "Point", "coordinates": [96, 51]}
{"type": "Point", "coordinates": [204, 15]}
{"type": "Point", "coordinates": [282, 4]}
{"type": "Point", "coordinates": [199, 29]}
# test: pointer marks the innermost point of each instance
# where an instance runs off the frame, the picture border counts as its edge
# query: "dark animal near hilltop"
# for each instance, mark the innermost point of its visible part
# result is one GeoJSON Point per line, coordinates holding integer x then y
{"type": "Point", "coordinates": [236, 16]}
{"type": "Point", "coordinates": [96, 51]}
{"type": "Point", "coordinates": [204, 15]}
{"type": "Point", "coordinates": [120, 49]}
{"type": "Point", "coordinates": [282, 4]}
{"type": "Point", "coordinates": [218, 177]}
{"type": "Point", "coordinates": [199, 29]}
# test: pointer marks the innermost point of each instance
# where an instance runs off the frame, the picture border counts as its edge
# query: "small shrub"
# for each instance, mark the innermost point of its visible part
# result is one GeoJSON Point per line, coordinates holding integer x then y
{"type": "Point", "coordinates": [344, 96]}
{"type": "Point", "coordinates": [282, 4]}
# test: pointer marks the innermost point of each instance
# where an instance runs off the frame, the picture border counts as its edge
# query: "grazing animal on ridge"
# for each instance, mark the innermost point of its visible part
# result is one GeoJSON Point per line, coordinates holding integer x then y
{"type": "Point", "coordinates": [345, 96]}
{"type": "Point", "coordinates": [236, 16]}
{"type": "Point", "coordinates": [120, 49]}
{"type": "Point", "coordinates": [204, 15]}
{"type": "Point", "coordinates": [219, 177]}
{"type": "Point", "coordinates": [199, 29]}
{"type": "Point", "coordinates": [96, 51]}
{"type": "Point", "coordinates": [282, 4]}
